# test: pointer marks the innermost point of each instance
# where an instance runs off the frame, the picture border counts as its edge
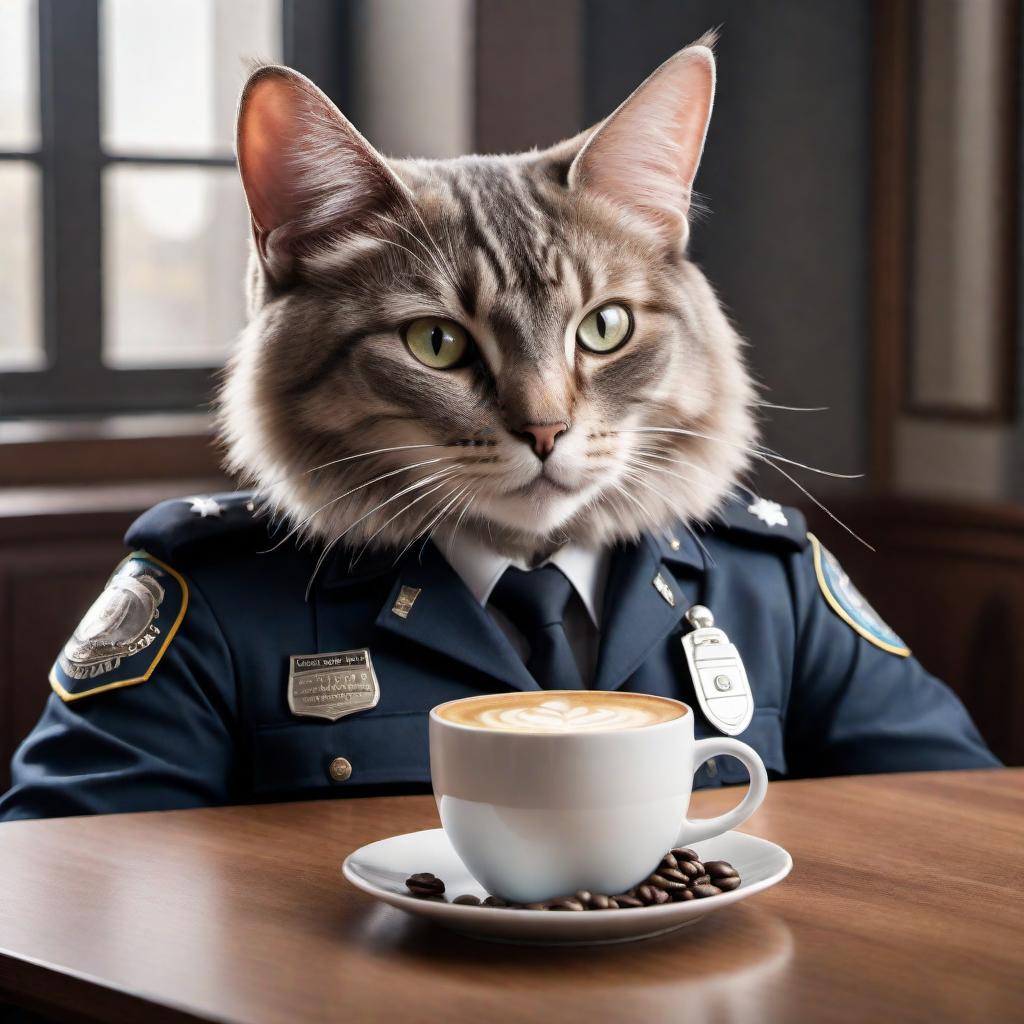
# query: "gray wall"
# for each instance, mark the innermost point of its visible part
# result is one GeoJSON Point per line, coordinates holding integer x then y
{"type": "Point", "coordinates": [785, 175]}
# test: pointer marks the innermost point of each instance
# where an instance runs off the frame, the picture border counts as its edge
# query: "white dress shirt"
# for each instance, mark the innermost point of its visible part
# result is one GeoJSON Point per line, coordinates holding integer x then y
{"type": "Point", "coordinates": [480, 568]}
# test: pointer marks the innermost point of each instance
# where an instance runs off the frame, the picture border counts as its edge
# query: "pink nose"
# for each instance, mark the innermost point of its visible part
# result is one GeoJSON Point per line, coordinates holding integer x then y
{"type": "Point", "coordinates": [543, 436]}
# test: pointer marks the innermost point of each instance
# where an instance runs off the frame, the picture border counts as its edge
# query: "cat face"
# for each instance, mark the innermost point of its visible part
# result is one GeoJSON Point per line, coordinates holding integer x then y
{"type": "Point", "coordinates": [515, 346]}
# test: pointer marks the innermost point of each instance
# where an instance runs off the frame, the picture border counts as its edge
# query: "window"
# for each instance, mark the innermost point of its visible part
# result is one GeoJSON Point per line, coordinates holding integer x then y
{"type": "Point", "coordinates": [123, 228]}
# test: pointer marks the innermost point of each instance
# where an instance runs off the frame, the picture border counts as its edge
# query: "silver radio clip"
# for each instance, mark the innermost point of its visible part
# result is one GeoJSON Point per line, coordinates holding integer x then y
{"type": "Point", "coordinates": [719, 678]}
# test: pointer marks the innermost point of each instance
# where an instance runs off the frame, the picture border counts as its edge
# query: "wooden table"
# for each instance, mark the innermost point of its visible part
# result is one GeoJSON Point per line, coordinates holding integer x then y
{"type": "Point", "coordinates": [904, 905]}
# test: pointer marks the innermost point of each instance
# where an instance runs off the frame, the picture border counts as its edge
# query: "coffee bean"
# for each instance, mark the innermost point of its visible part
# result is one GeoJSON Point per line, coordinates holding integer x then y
{"type": "Point", "coordinates": [424, 884]}
{"type": "Point", "coordinates": [646, 893]}
{"type": "Point", "coordinates": [666, 883]}
{"type": "Point", "coordinates": [567, 904]}
{"type": "Point", "coordinates": [704, 890]}
{"type": "Point", "coordinates": [673, 875]}
{"type": "Point", "coordinates": [720, 869]}
{"type": "Point", "coordinates": [680, 877]}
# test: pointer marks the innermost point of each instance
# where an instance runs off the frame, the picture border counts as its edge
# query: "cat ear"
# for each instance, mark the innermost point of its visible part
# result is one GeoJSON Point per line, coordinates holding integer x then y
{"type": "Point", "coordinates": [305, 169]}
{"type": "Point", "coordinates": [645, 155]}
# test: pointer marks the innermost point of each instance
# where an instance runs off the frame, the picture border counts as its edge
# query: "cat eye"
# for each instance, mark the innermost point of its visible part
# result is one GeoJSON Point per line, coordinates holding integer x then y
{"type": "Point", "coordinates": [437, 343]}
{"type": "Point", "coordinates": [606, 328]}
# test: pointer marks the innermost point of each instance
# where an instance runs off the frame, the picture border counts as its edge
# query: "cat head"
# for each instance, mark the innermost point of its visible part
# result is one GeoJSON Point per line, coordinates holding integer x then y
{"type": "Point", "coordinates": [515, 345]}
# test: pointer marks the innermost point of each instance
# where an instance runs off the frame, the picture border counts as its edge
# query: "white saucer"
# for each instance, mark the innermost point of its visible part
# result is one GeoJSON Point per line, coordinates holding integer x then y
{"type": "Point", "coordinates": [381, 869]}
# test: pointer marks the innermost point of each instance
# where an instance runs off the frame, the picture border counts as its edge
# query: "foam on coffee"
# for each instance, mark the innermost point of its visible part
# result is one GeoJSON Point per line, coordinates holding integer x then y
{"type": "Point", "coordinates": [561, 711]}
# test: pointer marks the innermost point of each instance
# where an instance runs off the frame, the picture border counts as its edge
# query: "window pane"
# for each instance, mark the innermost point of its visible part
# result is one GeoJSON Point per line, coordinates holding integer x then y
{"type": "Point", "coordinates": [175, 245]}
{"type": "Point", "coordinates": [19, 75]}
{"type": "Point", "coordinates": [21, 344]}
{"type": "Point", "coordinates": [172, 70]}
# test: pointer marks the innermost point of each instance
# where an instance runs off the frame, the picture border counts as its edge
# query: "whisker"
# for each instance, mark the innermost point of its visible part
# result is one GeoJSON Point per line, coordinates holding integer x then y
{"type": "Point", "coordinates": [405, 248]}
{"type": "Point", "coordinates": [701, 469]}
{"type": "Point", "coordinates": [437, 248]}
{"type": "Point", "coordinates": [383, 476]}
{"type": "Point", "coordinates": [376, 451]}
{"type": "Point", "coordinates": [432, 253]}
{"type": "Point", "coordinates": [458, 522]}
{"type": "Point", "coordinates": [330, 546]}
{"type": "Point", "coordinates": [758, 451]}
{"type": "Point", "coordinates": [401, 511]}
{"type": "Point", "coordinates": [769, 461]}
{"type": "Point", "coordinates": [792, 408]}
{"type": "Point", "coordinates": [445, 511]}
{"type": "Point", "coordinates": [686, 526]}
{"type": "Point", "coordinates": [419, 532]}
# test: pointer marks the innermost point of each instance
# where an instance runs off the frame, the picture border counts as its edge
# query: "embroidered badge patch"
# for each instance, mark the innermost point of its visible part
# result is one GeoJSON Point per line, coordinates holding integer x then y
{"type": "Point", "coordinates": [849, 604]}
{"type": "Point", "coordinates": [125, 633]}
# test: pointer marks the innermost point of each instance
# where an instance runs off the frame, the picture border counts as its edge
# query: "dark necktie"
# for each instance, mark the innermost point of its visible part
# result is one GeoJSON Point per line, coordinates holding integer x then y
{"type": "Point", "coordinates": [535, 601]}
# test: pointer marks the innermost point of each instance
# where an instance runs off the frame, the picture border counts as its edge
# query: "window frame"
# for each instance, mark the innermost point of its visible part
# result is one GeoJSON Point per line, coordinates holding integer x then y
{"type": "Point", "coordinates": [73, 380]}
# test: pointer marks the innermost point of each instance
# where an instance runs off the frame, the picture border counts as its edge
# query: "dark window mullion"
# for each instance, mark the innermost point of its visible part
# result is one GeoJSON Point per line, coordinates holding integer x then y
{"type": "Point", "coordinates": [72, 165]}
{"type": "Point", "coordinates": [169, 160]}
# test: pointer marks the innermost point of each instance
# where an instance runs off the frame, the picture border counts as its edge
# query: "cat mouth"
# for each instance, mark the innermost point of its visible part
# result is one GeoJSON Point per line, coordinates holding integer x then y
{"type": "Point", "coordinates": [542, 482]}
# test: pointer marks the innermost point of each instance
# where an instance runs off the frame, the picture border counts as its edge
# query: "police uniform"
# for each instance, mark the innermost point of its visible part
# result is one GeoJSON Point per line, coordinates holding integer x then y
{"type": "Point", "coordinates": [206, 674]}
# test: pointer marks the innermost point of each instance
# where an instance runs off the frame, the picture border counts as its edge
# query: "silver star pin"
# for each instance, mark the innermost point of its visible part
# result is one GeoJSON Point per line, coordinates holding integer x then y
{"type": "Point", "coordinates": [769, 512]}
{"type": "Point", "coordinates": [205, 506]}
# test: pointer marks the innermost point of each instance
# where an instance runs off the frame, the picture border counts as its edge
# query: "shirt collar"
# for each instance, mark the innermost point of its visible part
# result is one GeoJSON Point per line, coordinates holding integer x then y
{"type": "Point", "coordinates": [480, 568]}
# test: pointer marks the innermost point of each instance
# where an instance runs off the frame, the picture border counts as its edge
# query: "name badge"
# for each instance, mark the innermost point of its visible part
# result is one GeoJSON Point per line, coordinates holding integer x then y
{"type": "Point", "coordinates": [332, 685]}
{"type": "Point", "coordinates": [719, 677]}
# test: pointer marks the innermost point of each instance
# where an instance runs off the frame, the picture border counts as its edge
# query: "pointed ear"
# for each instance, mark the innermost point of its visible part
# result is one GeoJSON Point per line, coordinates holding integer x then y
{"type": "Point", "coordinates": [644, 157]}
{"type": "Point", "coordinates": [305, 169]}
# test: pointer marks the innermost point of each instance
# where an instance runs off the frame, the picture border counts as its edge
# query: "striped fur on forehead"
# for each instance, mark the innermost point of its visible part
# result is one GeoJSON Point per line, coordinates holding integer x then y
{"type": "Point", "coordinates": [354, 442]}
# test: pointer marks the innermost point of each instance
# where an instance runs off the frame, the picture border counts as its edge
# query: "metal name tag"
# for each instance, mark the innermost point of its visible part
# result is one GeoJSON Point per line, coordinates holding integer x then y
{"type": "Point", "coordinates": [332, 685]}
{"type": "Point", "coordinates": [718, 675]}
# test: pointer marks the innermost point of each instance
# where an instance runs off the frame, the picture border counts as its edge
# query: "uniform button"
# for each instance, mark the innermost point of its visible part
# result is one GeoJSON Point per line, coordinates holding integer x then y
{"type": "Point", "coordinates": [710, 764]}
{"type": "Point", "coordinates": [340, 769]}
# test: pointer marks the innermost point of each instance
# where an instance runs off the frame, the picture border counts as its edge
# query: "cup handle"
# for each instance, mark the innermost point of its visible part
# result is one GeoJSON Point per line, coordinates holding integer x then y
{"type": "Point", "coordinates": [704, 828]}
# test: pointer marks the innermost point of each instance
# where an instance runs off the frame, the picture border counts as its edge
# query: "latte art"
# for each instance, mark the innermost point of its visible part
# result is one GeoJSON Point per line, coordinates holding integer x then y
{"type": "Point", "coordinates": [561, 712]}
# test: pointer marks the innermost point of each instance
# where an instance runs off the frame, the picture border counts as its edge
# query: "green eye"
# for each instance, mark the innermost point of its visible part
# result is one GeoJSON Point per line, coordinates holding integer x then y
{"type": "Point", "coordinates": [605, 328]}
{"type": "Point", "coordinates": [437, 343]}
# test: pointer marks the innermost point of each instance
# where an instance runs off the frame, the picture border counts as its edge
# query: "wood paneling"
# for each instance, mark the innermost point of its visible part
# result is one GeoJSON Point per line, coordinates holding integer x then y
{"type": "Point", "coordinates": [527, 73]}
{"type": "Point", "coordinates": [950, 580]}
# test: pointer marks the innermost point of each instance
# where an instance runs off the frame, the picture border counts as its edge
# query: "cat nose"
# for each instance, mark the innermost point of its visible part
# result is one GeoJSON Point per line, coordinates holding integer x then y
{"type": "Point", "coordinates": [543, 436]}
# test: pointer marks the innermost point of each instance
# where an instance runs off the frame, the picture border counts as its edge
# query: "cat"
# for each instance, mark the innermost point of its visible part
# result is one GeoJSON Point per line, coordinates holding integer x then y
{"type": "Point", "coordinates": [516, 346]}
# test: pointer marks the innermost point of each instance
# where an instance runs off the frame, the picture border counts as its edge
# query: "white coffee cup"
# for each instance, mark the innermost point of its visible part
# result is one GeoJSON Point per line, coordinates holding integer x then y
{"type": "Point", "coordinates": [538, 814]}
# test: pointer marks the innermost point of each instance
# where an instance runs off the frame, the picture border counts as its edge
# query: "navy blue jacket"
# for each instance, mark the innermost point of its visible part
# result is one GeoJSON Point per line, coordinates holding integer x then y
{"type": "Point", "coordinates": [173, 691]}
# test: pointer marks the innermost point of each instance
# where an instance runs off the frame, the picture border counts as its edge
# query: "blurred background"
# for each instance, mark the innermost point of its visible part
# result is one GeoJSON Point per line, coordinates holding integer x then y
{"type": "Point", "coordinates": [862, 181]}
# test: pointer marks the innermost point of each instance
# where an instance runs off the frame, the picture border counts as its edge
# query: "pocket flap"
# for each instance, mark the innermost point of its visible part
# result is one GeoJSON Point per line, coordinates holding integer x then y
{"type": "Point", "coordinates": [381, 748]}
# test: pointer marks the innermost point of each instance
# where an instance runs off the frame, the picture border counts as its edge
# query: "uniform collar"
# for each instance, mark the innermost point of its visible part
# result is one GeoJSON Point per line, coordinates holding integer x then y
{"type": "Point", "coordinates": [480, 567]}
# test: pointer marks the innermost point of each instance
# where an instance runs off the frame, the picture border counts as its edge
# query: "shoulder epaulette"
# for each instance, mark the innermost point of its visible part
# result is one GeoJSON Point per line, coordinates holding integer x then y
{"type": "Point", "coordinates": [179, 524]}
{"type": "Point", "coordinates": [760, 521]}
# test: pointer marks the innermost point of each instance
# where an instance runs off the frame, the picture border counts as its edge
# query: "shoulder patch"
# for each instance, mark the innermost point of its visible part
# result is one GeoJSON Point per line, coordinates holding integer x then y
{"type": "Point", "coordinates": [849, 604]}
{"type": "Point", "coordinates": [125, 633]}
{"type": "Point", "coordinates": [183, 523]}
